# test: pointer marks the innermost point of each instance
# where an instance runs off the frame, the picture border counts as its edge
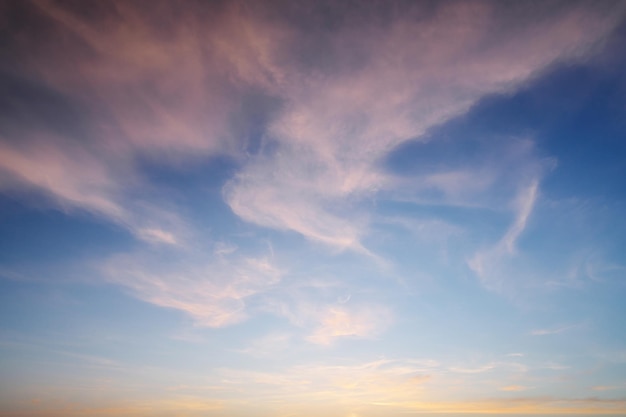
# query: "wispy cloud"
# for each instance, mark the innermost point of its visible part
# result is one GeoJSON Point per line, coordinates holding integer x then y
{"type": "Point", "coordinates": [135, 94]}
{"type": "Point", "coordinates": [190, 405]}
{"type": "Point", "coordinates": [157, 236]}
{"type": "Point", "coordinates": [485, 368]}
{"type": "Point", "coordinates": [510, 388]}
{"type": "Point", "coordinates": [521, 405]}
{"type": "Point", "coordinates": [354, 382]}
{"type": "Point", "coordinates": [327, 323]}
{"type": "Point", "coordinates": [323, 148]}
{"type": "Point", "coordinates": [166, 84]}
{"type": "Point", "coordinates": [213, 293]}
{"type": "Point", "coordinates": [45, 166]}
{"type": "Point", "coordinates": [270, 344]}
{"type": "Point", "coordinates": [492, 366]}
{"type": "Point", "coordinates": [110, 108]}
{"type": "Point", "coordinates": [604, 387]}
{"type": "Point", "coordinates": [339, 322]}
{"type": "Point", "coordinates": [524, 208]}
{"type": "Point", "coordinates": [554, 330]}
{"type": "Point", "coordinates": [491, 265]}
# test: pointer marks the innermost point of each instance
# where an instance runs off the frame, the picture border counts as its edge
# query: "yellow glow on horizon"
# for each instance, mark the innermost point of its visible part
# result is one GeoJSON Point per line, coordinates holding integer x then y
{"type": "Point", "coordinates": [196, 407]}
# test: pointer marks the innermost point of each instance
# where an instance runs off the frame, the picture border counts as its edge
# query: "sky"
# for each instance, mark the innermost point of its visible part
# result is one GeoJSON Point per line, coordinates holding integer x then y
{"type": "Point", "coordinates": [303, 208]}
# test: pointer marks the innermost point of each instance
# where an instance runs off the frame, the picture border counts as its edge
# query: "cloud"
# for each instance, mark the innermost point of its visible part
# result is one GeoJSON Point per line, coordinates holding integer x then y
{"type": "Point", "coordinates": [328, 309]}
{"type": "Point", "coordinates": [73, 177]}
{"type": "Point", "coordinates": [489, 367]}
{"type": "Point", "coordinates": [557, 330]}
{"type": "Point", "coordinates": [157, 236]}
{"type": "Point", "coordinates": [480, 370]}
{"type": "Point", "coordinates": [604, 388]}
{"type": "Point", "coordinates": [76, 178]}
{"type": "Point", "coordinates": [600, 270]}
{"type": "Point", "coordinates": [352, 383]}
{"type": "Point", "coordinates": [270, 344]}
{"type": "Point", "coordinates": [520, 405]}
{"type": "Point", "coordinates": [525, 205]}
{"type": "Point", "coordinates": [139, 70]}
{"type": "Point", "coordinates": [326, 323]}
{"type": "Point", "coordinates": [174, 405]}
{"type": "Point", "coordinates": [397, 385]}
{"type": "Point", "coordinates": [334, 127]}
{"type": "Point", "coordinates": [168, 84]}
{"type": "Point", "coordinates": [99, 94]}
{"type": "Point", "coordinates": [337, 322]}
{"type": "Point", "coordinates": [509, 388]}
{"type": "Point", "coordinates": [213, 293]}
{"type": "Point", "coordinates": [492, 265]}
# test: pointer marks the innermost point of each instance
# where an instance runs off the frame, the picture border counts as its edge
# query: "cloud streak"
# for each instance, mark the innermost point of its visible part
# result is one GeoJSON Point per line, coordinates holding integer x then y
{"type": "Point", "coordinates": [337, 322]}
{"type": "Point", "coordinates": [306, 115]}
{"type": "Point", "coordinates": [213, 293]}
{"type": "Point", "coordinates": [327, 182]}
{"type": "Point", "coordinates": [168, 83]}
{"type": "Point", "coordinates": [556, 330]}
{"type": "Point", "coordinates": [334, 129]}
{"type": "Point", "coordinates": [492, 265]}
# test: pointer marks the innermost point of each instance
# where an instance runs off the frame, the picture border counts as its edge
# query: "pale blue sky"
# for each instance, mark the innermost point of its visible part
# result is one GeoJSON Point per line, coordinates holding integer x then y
{"type": "Point", "coordinates": [288, 209]}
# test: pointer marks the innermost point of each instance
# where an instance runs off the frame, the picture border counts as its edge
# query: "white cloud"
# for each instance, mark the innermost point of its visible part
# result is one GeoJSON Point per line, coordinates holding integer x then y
{"type": "Point", "coordinates": [333, 129]}
{"type": "Point", "coordinates": [516, 367]}
{"type": "Point", "coordinates": [555, 330]}
{"type": "Point", "coordinates": [510, 388]}
{"type": "Point", "coordinates": [328, 382]}
{"type": "Point", "coordinates": [526, 202]}
{"type": "Point", "coordinates": [270, 344]}
{"type": "Point", "coordinates": [73, 177]}
{"type": "Point", "coordinates": [493, 265]}
{"type": "Point", "coordinates": [171, 97]}
{"type": "Point", "coordinates": [157, 236]}
{"type": "Point", "coordinates": [604, 387]}
{"type": "Point", "coordinates": [213, 293]}
{"type": "Point", "coordinates": [338, 322]}
{"type": "Point", "coordinates": [328, 323]}
{"type": "Point", "coordinates": [169, 92]}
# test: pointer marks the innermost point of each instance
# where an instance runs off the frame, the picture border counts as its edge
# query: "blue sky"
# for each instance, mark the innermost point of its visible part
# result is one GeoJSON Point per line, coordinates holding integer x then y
{"type": "Point", "coordinates": [287, 209]}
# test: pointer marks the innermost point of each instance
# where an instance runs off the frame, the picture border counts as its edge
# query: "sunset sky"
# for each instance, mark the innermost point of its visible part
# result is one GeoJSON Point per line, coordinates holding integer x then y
{"type": "Point", "coordinates": [312, 208]}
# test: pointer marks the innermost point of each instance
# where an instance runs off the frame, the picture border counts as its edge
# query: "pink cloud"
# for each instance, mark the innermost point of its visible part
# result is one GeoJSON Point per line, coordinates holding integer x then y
{"type": "Point", "coordinates": [166, 84]}
{"type": "Point", "coordinates": [212, 292]}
